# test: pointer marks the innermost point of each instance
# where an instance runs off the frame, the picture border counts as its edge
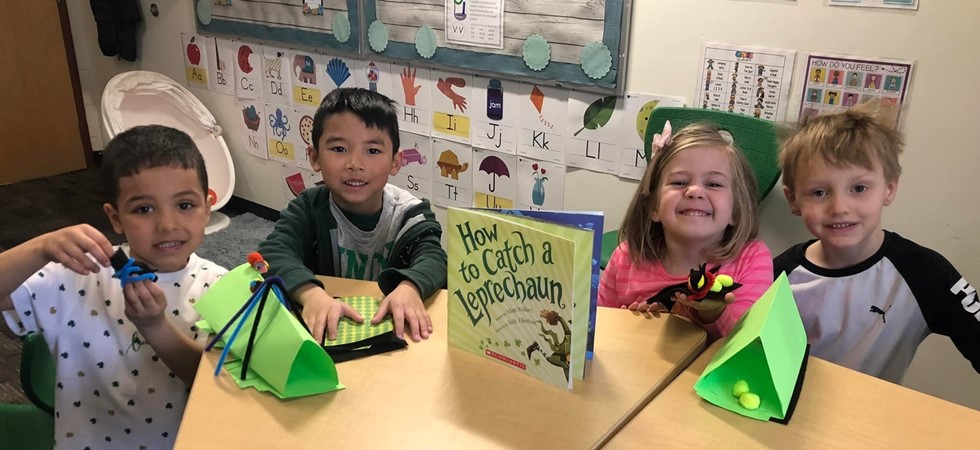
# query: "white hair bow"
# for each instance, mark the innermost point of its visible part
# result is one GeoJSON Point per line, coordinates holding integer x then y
{"type": "Point", "coordinates": [661, 139]}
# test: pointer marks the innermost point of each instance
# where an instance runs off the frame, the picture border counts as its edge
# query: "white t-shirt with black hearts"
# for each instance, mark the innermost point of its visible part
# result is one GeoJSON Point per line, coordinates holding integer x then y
{"type": "Point", "coordinates": [111, 390]}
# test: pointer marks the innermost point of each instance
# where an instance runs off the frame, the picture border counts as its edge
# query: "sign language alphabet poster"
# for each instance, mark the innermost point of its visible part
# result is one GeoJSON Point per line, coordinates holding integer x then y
{"type": "Point", "coordinates": [751, 81]}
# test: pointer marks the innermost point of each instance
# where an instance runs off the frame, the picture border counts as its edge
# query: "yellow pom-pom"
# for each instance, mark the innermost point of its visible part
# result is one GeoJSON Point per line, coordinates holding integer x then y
{"type": "Point", "coordinates": [749, 401]}
{"type": "Point", "coordinates": [725, 280]}
{"type": "Point", "coordinates": [716, 287]}
{"type": "Point", "coordinates": [741, 387]}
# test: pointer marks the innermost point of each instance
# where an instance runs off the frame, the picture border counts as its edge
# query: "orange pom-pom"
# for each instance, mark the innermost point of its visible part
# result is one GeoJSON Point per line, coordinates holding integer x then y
{"type": "Point", "coordinates": [254, 257]}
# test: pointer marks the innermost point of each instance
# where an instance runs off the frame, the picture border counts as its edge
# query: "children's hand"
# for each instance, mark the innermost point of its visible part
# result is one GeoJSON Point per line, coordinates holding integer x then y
{"type": "Point", "coordinates": [708, 310]}
{"type": "Point", "coordinates": [643, 307]}
{"type": "Point", "coordinates": [68, 246]}
{"type": "Point", "coordinates": [146, 304]}
{"type": "Point", "coordinates": [405, 304]}
{"type": "Point", "coordinates": [321, 311]}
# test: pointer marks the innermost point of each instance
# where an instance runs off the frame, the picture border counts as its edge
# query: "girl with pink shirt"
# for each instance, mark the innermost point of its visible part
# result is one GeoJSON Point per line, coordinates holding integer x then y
{"type": "Point", "coordinates": [696, 204]}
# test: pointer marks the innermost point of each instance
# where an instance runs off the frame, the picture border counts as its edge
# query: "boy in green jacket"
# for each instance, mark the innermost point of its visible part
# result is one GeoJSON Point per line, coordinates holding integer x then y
{"type": "Point", "coordinates": [356, 225]}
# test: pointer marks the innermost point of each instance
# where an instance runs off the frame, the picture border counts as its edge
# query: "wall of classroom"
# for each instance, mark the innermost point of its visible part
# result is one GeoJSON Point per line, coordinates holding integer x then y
{"type": "Point", "coordinates": [936, 205]}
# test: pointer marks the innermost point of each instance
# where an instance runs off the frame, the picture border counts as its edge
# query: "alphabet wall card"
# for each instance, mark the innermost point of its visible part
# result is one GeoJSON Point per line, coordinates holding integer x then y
{"type": "Point", "coordinates": [452, 175]}
{"type": "Point", "coordinates": [374, 75]}
{"type": "Point", "coordinates": [303, 136]}
{"type": "Point", "coordinates": [275, 75]}
{"type": "Point", "coordinates": [495, 114]}
{"type": "Point", "coordinates": [296, 180]}
{"type": "Point", "coordinates": [540, 184]}
{"type": "Point", "coordinates": [339, 72]}
{"type": "Point", "coordinates": [417, 165]}
{"type": "Point", "coordinates": [450, 110]}
{"type": "Point", "coordinates": [195, 60]}
{"type": "Point", "coordinates": [221, 65]}
{"type": "Point", "coordinates": [493, 185]}
{"type": "Point", "coordinates": [279, 123]}
{"type": "Point", "coordinates": [838, 82]}
{"type": "Point", "coordinates": [306, 74]}
{"type": "Point", "coordinates": [412, 91]}
{"type": "Point", "coordinates": [751, 81]}
{"type": "Point", "coordinates": [637, 109]}
{"type": "Point", "coordinates": [248, 74]}
{"type": "Point", "coordinates": [597, 143]}
{"type": "Point", "coordinates": [901, 4]}
{"type": "Point", "coordinates": [518, 291]}
{"type": "Point", "coordinates": [542, 115]}
{"type": "Point", "coordinates": [253, 133]}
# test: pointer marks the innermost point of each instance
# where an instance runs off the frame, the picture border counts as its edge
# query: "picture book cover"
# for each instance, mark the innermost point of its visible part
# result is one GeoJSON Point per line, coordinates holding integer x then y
{"type": "Point", "coordinates": [587, 220]}
{"type": "Point", "coordinates": [519, 292]}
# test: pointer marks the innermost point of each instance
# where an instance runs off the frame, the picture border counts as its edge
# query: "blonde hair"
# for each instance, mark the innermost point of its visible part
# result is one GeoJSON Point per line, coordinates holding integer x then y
{"type": "Point", "coordinates": [645, 237]}
{"type": "Point", "coordinates": [857, 137]}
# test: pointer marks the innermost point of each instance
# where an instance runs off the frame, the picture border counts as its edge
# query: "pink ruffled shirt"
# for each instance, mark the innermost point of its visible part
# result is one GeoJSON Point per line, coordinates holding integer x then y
{"type": "Point", "coordinates": [623, 283]}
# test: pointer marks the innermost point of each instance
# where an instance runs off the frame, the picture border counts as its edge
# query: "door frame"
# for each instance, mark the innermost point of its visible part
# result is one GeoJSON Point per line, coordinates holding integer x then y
{"type": "Point", "coordinates": [76, 84]}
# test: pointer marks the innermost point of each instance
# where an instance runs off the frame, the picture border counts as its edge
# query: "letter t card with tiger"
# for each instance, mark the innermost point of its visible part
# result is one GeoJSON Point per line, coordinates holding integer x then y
{"type": "Point", "coordinates": [519, 292]}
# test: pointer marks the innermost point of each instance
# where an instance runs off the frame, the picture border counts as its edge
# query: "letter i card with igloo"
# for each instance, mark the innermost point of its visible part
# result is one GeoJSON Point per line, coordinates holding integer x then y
{"type": "Point", "coordinates": [495, 104]}
{"type": "Point", "coordinates": [248, 71]}
{"type": "Point", "coordinates": [412, 90]}
{"type": "Point", "coordinates": [275, 76]}
{"type": "Point", "coordinates": [253, 132]}
{"type": "Point", "coordinates": [195, 60]}
{"type": "Point", "coordinates": [452, 174]}
{"type": "Point", "coordinates": [374, 75]}
{"type": "Point", "coordinates": [540, 184]}
{"type": "Point", "coordinates": [415, 174]}
{"type": "Point", "coordinates": [221, 64]}
{"type": "Point", "coordinates": [307, 78]}
{"type": "Point", "coordinates": [543, 116]}
{"type": "Point", "coordinates": [280, 122]}
{"type": "Point", "coordinates": [452, 106]}
{"type": "Point", "coordinates": [637, 110]}
{"type": "Point", "coordinates": [595, 137]}
{"type": "Point", "coordinates": [494, 186]}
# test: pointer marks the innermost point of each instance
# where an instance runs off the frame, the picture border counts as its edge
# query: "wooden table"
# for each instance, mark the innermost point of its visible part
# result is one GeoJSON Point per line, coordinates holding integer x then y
{"type": "Point", "coordinates": [432, 395]}
{"type": "Point", "coordinates": [838, 408]}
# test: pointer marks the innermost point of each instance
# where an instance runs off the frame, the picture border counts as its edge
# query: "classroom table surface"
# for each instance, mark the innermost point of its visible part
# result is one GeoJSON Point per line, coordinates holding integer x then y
{"type": "Point", "coordinates": [433, 395]}
{"type": "Point", "coordinates": [838, 408]}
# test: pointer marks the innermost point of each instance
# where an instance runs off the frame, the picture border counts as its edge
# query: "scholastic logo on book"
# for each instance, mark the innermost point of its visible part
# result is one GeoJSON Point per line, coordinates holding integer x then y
{"type": "Point", "coordinates": [507, 360]}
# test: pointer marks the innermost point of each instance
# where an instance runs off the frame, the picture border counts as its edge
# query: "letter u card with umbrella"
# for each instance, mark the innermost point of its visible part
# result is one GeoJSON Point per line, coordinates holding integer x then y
{"type": "Point", "coordinates": [263, 345]}
{"type": "Point", "coordinates": [494, 186]}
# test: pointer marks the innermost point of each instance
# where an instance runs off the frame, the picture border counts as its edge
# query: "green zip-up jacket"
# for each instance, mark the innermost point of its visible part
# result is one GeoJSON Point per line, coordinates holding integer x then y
{"type": "Point", "coordinates": [313, 236]}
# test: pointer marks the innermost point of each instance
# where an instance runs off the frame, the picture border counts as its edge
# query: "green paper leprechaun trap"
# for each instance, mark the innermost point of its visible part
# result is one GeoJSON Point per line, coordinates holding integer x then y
{"type": "Point", "coordinates": [758, 371]}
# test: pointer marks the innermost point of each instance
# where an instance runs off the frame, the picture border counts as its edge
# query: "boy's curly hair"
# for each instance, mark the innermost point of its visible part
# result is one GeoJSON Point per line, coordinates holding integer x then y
{"type": "Point", "coordinates": [148, 147]}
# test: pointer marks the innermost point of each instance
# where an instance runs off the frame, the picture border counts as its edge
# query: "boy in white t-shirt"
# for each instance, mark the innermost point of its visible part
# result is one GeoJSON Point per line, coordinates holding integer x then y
{"type": "Point", "coordinates": [125, 353]}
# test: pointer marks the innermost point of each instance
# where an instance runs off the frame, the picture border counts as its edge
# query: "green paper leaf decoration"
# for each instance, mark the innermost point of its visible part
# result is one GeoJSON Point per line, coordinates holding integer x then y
{"type": "Point", "coordinates": [341, 27]}
{"type": "Point", "coordinates": [378, 36]}
{"type": "Point", "coordinates": [597, 115]}
{"type": "Point", "coordinates": [425, 42]}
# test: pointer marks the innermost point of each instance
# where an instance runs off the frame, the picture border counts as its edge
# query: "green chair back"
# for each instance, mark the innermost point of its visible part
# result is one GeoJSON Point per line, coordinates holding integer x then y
{"type": "Point", "coordinates": [37, 372]}
{"type": "Point", "coordinates": [755, 138]}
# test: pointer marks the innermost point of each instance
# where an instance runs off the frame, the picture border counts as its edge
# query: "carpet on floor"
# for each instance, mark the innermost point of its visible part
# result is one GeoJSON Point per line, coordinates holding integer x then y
{"type": "Point", "coordinates": [230, 246]}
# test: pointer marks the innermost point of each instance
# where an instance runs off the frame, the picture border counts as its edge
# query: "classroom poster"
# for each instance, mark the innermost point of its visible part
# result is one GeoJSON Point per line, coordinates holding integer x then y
{"type": "Point", "coordinates": [295, 180]}
{"type": "Point", "coordinates": [275, 82]}
{"type": "Point", "coordinates": [375, 76]}
{"type": "Point", "coordinates": [279, 122]}
{"type": "Point", "coordinates": [540, 184]}
{"type": "Point", "coordinates": [493, 184]}
{"type": "Point", "coordinates": [253, 133]}
{"type": "Point", "coordinates": [417, 164]}
{"type": "Point", "coordinates": [339, 73]}
{"type": "Point", "coordinates": [195, 60]}
{"type": "Point", "coordinates": [752, 81]}
{"type": "Point", "coordinates": [412, 93]}
{"type": "Point", "coordinates": [542, 118]}
{"type": "Point", "coordinates": [836, 82]}
{"type": "Point", "coordinates": [248, 80]}
{"type": "Point", "coordinates": [221, 65]}
{"type": "Point", "coordinates": [637, 109]}
{"type": "Point", "coordinates": [495, 105]}
{"type": "Point", "coordinates": [479, 23]}
{"type": "Point", "coordinates": [306, 75]}
{"type": "Point", "coordinates": [450, 110]}
{"type": "Point", "coordinates": [900, 4]}
{"type": "Point", "coordinates": [452, 174]}
{"type": "Point", "coordinates": [597, 143]}
{"type": "Point", "coordinates": [302, 138]}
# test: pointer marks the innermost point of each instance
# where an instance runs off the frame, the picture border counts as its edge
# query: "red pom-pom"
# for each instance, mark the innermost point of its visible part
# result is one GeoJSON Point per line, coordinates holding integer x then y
{"type": "Point", "coordinates": [254, 257]}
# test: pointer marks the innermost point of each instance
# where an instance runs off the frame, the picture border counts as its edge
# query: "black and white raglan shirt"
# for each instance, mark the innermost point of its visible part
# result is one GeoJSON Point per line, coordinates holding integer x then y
{"type": "Point", "coordinates": [872, 316]}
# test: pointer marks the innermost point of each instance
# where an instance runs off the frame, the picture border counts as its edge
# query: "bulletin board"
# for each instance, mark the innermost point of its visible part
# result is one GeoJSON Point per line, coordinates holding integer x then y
{"type": "Point", "coordinates": [320, 24]}
{"type": "Point", "coordinates": [570, 27]}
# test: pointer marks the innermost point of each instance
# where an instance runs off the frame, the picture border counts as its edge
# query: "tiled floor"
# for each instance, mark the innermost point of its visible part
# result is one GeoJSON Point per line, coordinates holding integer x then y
{"type": "Point", "coordinates": [32, 208]}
